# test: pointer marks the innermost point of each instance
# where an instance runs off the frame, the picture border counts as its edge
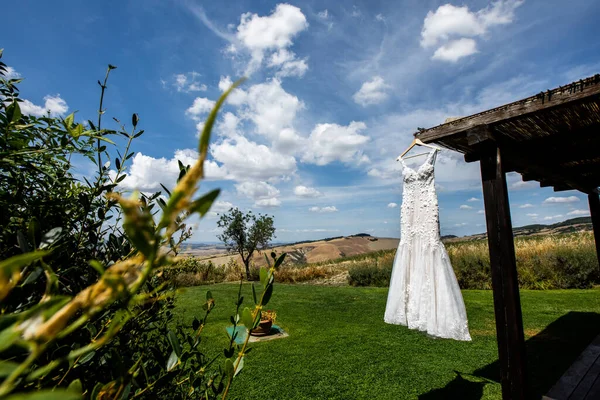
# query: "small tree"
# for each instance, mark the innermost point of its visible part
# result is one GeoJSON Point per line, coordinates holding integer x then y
{"type": "Point", "coordinates": [243, 233]}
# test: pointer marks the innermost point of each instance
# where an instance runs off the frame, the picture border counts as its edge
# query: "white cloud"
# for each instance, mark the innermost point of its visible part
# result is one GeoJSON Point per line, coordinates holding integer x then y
{"type": "Point", "coordinates": [449, 22]}
{"type": "Point", "coordinates": [293, 68]}
{"type": "Point", "coordinates": [260, 35]}
{"type": "Point", "coordinates": [455, 50]}
{"type": "Point", "coordinates": [329, 209]}
{"type": "Point", "coordinates": [187, 82]}
{"type": "Point", "coordinates": [303, 191]}
{"type": "Point", "coordinates": [379, 17]}
{"type": "Point", "coordinates": [200, 106]}
{"type": "Point", "coordinates": [11, 73]}
{"type": "Point", "coordinates": [472, 199]}
{"type": "Point", "coordinates": [579, 212]}
{"type": "Point", "coordinates": [268, 203]}
{"type": "Point", "coordinates": [465, 207]}
{"type": "Point", "coordinates": [147, 173]}
{"type": "Point", "coordinates": [268, 106]}
{"type": "Point", "coordinates": [228, 125]}
{"type": "Point", "coordinates": [257, 190]}
{"type": "Point", "coordinates": [552, 217]}
{"type": "Point", "coordinates": [533, 215]}
{"type": "Point", "coordinates": [323, 14]}
{"type": "Point", "coordinates": [54, 105]}
{"type": "Point", "coordinates": [245, 160]}
{"type": "Point", "coordinates": [526, 205]}
{"type": "Point", "coordinates": [461, 224]}
{"type": "Point", "coordinates": [221, 206]}
{"type": "Point", "coordinates": [480, 211]}
{"type": "Point", "coordinates": [372, 92]}
{"type": "Point", "coordinates": [225, 83]}
{"type": "Point", "coordinates": [392, 205]}
{"type": "Point", "coordinates": [569, 199]}
{"type": "Point", "coordinates": [332, 142]}
{"type": "Point", "coordinates": [522, 185]}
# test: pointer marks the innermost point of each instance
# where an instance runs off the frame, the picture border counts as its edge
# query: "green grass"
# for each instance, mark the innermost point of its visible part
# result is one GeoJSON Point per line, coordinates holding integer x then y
{"type": "Point", "coordinates": [340, 348]}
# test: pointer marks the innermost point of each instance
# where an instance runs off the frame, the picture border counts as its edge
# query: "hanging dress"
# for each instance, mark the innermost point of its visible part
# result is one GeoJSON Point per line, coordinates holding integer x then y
{"type": "Point", "coordinates": [424, 293]}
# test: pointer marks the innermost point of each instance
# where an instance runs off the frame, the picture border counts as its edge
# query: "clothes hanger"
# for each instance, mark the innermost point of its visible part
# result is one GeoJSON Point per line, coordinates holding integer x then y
{"type": "Point", "coordinates": [416, 141]}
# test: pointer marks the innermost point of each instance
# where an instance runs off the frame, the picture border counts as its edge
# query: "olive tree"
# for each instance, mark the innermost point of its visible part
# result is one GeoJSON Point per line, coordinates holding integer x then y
{"type": "Point", "coordinates": [244, 233]}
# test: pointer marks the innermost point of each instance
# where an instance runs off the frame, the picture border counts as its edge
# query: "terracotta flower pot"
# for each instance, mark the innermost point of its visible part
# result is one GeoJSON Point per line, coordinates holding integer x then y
{"type": "Point", "coordinates": [263, 328]}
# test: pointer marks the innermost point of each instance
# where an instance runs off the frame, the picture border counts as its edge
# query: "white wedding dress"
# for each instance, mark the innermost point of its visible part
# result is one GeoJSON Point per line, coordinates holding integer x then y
{"type": "Point", "coordinates": [424, 293]}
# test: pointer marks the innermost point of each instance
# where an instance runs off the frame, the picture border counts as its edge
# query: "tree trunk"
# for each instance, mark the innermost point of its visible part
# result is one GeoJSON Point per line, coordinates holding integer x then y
{"type": "Point", "coordinates": [247, 265]}
{"type": "Point", "coordinates": [246, 261]}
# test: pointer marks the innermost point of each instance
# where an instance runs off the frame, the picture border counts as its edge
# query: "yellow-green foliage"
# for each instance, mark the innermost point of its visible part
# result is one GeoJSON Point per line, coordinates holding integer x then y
{"type": "Point", "coordinates": [543, 262]}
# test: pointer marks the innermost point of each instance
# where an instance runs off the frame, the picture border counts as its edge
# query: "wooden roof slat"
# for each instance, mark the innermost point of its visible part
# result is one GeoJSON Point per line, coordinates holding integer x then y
{"type": "Point", "coordinates": [552, 137]}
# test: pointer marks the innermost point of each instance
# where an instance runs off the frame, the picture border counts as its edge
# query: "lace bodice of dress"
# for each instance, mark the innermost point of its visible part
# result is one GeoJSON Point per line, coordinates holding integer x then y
{"type": "Point", "coordinates": [419, 212]}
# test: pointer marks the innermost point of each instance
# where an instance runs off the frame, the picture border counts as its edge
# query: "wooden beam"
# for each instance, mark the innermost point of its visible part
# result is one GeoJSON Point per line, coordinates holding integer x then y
{"type": "Point", "coordinates": [562, 188]}
{"type": "Point", "coordinates": [507, 303]}
{"type": "Point", "coordinates": [526, 106]}
{"type": "Point", "coordinates": [594, 201]}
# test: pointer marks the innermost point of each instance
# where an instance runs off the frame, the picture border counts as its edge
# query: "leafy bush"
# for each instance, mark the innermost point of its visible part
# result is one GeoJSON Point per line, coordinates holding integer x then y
{"type": "Point", "coordinates": [191, 271]}
{"type": "Point", "coordinates": [566, 261]}
{"type": "Point", "coordinates": [372, 272]}
{"type": "Point", "coordinates": [82, 309]}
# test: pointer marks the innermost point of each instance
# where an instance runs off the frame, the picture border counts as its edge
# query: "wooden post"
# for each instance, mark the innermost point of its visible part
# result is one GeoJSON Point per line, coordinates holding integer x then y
{"type": "Point", "coordinates": [507, 304]}
{"type": "Point", "coordinates": [594, 201]}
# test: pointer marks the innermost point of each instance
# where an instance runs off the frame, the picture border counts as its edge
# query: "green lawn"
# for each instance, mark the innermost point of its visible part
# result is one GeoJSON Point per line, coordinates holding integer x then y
{"type": "Point", "coordinates": [340, 348]}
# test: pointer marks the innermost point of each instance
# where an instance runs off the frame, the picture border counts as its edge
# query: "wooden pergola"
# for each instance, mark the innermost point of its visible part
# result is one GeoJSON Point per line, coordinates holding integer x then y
{"type": "Point", "coordinates": [553, 138]}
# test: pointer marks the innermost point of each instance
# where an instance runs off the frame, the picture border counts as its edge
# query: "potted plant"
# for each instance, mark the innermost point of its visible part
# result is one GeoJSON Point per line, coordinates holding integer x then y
{"type": "Point", "coordinates": [267, 319]}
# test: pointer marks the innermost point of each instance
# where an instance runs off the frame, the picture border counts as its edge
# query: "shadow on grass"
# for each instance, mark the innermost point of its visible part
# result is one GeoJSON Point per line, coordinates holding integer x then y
{"type": "Point", "coordinates": [458, 388]}
{"type": "Point", "coordinates": [549, 354]}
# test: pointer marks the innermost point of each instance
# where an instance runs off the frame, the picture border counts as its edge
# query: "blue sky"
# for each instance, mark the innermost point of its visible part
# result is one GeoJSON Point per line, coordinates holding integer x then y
{"type": "Point", "coordinates": [335, 92]}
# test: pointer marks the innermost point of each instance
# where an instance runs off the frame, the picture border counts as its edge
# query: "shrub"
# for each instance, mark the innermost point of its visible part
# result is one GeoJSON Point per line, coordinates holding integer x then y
{"type": "Point", "coordinates": [564, 261]}
{"type": "Point", "coordinates": [81, 308]}
{"type": "Point", "coordinates": [372, 272]}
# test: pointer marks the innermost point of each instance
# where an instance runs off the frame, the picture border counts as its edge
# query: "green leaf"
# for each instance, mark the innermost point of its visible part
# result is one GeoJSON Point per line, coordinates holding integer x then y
{"type": "Point", "coordinates": [229, 368]}
{"type": "Point", "coordinates": [209, 295]}
{"type": "Point", "coordinates": [254, 294]}
{"type": "Point", "coordinates": [166, 190]}
{"type": "Point", "coordinates": [69, 120]}
{"type": "Point", "coordinates": [33, 230]}
{"type": "Point", "coordinates": [267, 295]}
{"type": "Point", "coordinates": [97, 266]}
{"type": "Point", "coordinates": [50, 237]}
{"type": "Point", "coordinates": [33, 276]}
{"type": "Point", "coordinates": [239, 367]}
{"type": "Point", "coordinates": [134, 120]}
{"type": "Point", "coordinates": [172, 362]}
{"type": "Point", "coordinates": [210, 121]}
{"type": "Point", "coordinates": [75, 386]}
{"type": "Point", "coordinates": [195, 324]}
{"type": "Point", "coordinates": [203, 204]}
{"type": "Point", "coordinates": [7, 367]}
{"type": "Point", "coordinates": [58, 394]}
{"type": "Point", "coordinates": [22, 241]}
{"type": "Point", "coordinates": [87, 357]}
{"type": "Point", "coordinates": [263, 273]}
{"type": "Point", "coordinates": [13, 112]}
{"type": "Point", "coordinates": [280, 260]}
{"type": "Point", "coordinates": [174, 343]}
{"type": "Point", "coordinates": [96, 391]}
{"type": "Point", "coordinates": [8, 266]}
{"type": "Point", "coordinates": [247, 318]}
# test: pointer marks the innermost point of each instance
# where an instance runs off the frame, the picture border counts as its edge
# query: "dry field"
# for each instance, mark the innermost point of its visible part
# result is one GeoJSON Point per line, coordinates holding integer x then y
{"type": "Point", "coordinates": [313, 252]}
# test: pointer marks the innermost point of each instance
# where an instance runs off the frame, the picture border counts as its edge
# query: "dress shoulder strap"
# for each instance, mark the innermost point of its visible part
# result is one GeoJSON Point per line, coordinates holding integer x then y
{"type": "Point", "coordinates": [432, 156]}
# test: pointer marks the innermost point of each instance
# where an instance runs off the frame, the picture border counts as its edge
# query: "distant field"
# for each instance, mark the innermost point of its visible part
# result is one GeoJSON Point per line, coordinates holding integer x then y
{"type": "Point", "coordinates": [306, 253]}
